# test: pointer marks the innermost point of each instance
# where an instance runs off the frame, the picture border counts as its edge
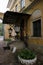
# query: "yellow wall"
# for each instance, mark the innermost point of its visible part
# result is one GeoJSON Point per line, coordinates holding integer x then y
{"type": "Point", "coordinates": [16, 3]}
{"type": "Point", "coordinates": [6, 33]}
{"type": "Point", "coordinates": [35, 40]}
{"type": "Point", "coordinates": [27, 3]}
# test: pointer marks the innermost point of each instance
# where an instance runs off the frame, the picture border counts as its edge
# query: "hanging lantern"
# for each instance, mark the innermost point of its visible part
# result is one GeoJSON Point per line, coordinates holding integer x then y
{"type": "Point", "coordinates": [17, 28]}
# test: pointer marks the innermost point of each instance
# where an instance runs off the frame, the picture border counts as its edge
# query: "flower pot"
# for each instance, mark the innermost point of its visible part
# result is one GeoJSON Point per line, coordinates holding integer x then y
{"type": "Point", "coordinates": [27, 62]}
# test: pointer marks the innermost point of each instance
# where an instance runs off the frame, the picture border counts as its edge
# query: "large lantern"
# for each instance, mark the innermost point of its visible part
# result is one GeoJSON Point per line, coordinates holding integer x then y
{"type": "Point", "coordinates": [17, 29]}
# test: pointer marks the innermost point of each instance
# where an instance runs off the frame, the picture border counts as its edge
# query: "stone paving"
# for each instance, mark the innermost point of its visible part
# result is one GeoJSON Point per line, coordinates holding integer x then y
{"type": "Point", "coordinates": [6, 56]}
{"type": "Point", "coordinates": [9, 58]}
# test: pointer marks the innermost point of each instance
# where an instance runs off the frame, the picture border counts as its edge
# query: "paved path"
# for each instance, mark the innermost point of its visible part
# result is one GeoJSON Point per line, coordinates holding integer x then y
{"type": "Point", "coordinates": [9, 58]}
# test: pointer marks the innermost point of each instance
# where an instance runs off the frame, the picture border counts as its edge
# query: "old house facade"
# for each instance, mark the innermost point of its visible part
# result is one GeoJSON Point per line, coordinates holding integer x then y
{"type": "Point", "coordinates": [34, 25]}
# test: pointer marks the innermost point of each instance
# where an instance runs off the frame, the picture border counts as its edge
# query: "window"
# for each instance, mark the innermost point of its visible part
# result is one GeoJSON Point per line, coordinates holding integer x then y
{"type": "Point", "coordinates": [37, 28]}
{"type": "Point", "coordinates": [16, 8]}
{"type": "Point", "coordinates": [22, 3]}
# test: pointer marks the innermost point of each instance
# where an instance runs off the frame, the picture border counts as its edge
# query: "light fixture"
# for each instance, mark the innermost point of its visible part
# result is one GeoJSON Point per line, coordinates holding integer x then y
{"type": "Point", "coordinates": [17, 28]}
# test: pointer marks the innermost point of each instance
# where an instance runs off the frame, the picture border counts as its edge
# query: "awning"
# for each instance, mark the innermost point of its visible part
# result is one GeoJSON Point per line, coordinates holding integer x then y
{"type": "Point", "coordinates": [13, 17]}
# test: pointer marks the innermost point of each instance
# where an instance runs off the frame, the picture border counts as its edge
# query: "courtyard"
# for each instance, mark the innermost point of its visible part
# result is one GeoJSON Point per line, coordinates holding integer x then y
{"type": "Point", "coordinates": [9, 58]}
{"type": "Point", "coordinates": [21, 27]}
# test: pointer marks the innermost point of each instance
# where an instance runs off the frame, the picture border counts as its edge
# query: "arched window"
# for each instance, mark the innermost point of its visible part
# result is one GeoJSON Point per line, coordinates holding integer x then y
{"type": "Point", "coordinates": [36, 14]}
{"type": "Point", "coordinates": [36, 17]}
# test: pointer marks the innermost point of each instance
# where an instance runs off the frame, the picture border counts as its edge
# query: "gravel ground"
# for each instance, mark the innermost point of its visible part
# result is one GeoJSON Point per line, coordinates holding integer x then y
{"type": "Point", "coordinates": [9, 58]}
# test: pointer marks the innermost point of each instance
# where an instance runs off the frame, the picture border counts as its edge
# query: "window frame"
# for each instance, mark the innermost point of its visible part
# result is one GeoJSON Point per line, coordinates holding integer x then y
{"type": "Point", "coordinates": [38, 23]}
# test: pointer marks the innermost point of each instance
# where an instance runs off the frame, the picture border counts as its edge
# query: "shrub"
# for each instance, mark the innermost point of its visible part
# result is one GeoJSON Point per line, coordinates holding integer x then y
{"type": "Point", "coordinates": [7, 39]}
{"type": "Point", "coordinates": [26, 54]}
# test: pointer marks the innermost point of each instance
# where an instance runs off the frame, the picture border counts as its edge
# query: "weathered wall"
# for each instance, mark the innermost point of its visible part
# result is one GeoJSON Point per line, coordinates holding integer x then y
{"type": "Point", "coordinates": [18, 3]}
{"type": "Point", "coordinates": [35, 42]}
{"type": "Point", "coordinates": [6, 31]}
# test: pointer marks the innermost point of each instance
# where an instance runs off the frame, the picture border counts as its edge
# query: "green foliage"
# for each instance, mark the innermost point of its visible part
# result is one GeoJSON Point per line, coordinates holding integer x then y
{"type": "Point", "coordinates": [1, 29]}
{"type": "Point", "coordinates": [8, 40]}
{"type": "Point", "coordinates": [26, 54]}
{"type": "Point", "coordinates": [1, 34]}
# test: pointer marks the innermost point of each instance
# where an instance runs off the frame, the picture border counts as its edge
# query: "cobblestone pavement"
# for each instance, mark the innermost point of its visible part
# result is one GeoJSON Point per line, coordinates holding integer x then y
{"type": "Point", "coordinates": [9, 58]}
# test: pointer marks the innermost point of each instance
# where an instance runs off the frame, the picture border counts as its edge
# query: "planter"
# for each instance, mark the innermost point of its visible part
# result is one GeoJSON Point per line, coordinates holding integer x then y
{"type": "Point", "coordinates": [29, 62]}
{"type": "Point", "coordinates": [27, 56]}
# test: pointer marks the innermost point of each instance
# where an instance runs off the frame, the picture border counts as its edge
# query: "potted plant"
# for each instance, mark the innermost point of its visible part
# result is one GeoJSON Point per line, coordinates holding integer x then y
{"type": "Point", "coordinates": [26, 56]}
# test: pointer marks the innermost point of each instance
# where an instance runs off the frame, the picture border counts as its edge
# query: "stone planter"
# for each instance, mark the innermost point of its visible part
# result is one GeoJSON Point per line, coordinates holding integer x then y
{"type": "Point", "coordinates": [27, 62]}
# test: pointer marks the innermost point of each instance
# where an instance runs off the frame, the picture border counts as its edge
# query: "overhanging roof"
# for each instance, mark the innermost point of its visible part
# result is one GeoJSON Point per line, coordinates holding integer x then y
{"type": "Point", "coordinates": [12, 17]}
